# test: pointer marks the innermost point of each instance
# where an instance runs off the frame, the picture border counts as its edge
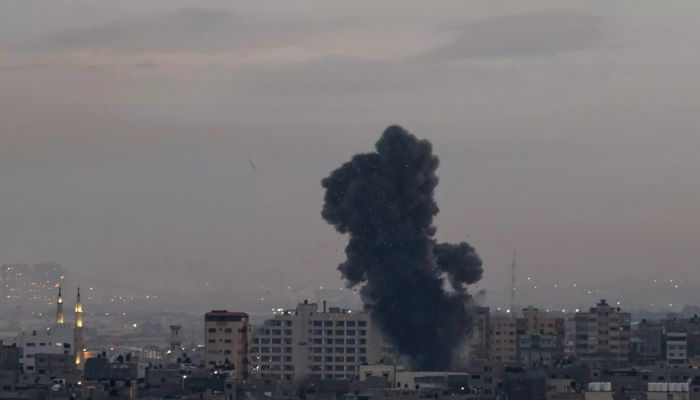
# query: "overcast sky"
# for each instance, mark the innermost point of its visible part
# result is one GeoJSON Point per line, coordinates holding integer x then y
{"type": "Point", "coordinates": [567, 130]}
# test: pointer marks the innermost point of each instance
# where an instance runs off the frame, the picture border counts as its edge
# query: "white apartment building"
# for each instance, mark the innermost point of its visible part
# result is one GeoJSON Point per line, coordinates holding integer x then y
{"type": "Point", "coordinates": [306, 342]}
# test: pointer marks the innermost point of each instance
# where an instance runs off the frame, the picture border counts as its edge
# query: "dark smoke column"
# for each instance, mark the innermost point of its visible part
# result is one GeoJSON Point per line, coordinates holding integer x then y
{"type": "Point", "coordinates": [384, 201]}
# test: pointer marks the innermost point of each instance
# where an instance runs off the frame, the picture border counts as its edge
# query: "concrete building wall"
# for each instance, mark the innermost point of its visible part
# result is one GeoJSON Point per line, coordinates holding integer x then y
{"type": "Point", "coordinates": [54, 340]}
{"type": "Point", "coordinates": [603, 334]}
{"type": "Point", "coordinates": [226, 341]}
{"type": "Point", "coordinates": [331, 344]}
{"type": "Point", "coordinates": [504, 345]}
{"type": "Point", "coordinates": [676, 347]}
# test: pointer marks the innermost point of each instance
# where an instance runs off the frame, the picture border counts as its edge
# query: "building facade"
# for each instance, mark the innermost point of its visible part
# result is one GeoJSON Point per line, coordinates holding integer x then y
{"type": "Point", "coordinates": [58, 339]}
{"type": "Point", "coordinates": [480, 340]}
{"type": "Point", "coordinates": [306, 342]}
{"type": "Point", "coordinates": [226, 336]}
{"type": "Point", "coordinates": [647, 341]}
{"type": "Point", "coordinates": [541, 338]}
{"type": "Point", "coordinates": [676, 347]}
{"type": "Point", "coordinates": [603, 334]}
{"type": "Point", "coordinates": [504, 345]}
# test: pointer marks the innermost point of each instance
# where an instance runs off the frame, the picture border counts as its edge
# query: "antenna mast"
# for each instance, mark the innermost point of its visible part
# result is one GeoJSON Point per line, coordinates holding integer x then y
{"type": "Point", "coordinates": [512, 287]}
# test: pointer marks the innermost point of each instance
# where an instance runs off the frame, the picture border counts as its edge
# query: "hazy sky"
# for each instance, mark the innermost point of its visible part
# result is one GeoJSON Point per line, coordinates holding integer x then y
{"type": "Point", "coordinates": [567, 130]}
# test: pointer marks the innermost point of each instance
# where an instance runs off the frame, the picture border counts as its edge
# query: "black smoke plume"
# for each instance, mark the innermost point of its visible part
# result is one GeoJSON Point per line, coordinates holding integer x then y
{"type": "Point", "coordinates": [384, 201]}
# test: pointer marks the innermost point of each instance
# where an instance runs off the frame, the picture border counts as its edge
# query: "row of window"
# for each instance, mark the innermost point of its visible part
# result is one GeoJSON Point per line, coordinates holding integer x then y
{"type": "Point", "coordinates": [271, 350]}
{"type": "Point", "coordinates": [266, 359]}
{"type": "Point", "coordinates": [338, 341]}
{"type": "Point", "coordinates": [339, 332]}
{"type": "Point", "coordinates": [274, 332]}
{"type": "Point", "coordinates": [339, 323]}
{"type": "Point", "coordinates": [330, 359]}
{"type": "Point", "coordinates": [225, 330]}
{"type": "Point", "coordinates": [277, 322]}
{"type": "Point", "coordinates": [338, 350]}
{"type": "Point", "coordinates": [272, 341]}
{"type": "Point", "coordinates": [42, 344]}
{"type": "Point", "coordinates": [317, 367]}
{"type": "Point", "coordinates": [276, 367]}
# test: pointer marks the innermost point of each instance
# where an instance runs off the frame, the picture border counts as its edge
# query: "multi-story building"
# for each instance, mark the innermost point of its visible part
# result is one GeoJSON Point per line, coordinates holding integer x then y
{"type": "Point", "coordinates": [541, 338]}
{"type": "Point", "coordinates": [646, 341]}
{"type": "Point", "coordinates": [301, 343]}
{"type": "Point", "coordinates": [481, 334]}
{"type": "Point", "coordinates": [504, 345]}
{"type": "Point", "coordinates": [537, 323]}
{"type": "Point", "coordinates": [9, 366]}
{"type": "Point", "coordinates": [603, 335]}
{"type": "Point", "coordinates": [537, 350]}
{"type": "Point", "coordinates": [226, 336]}
{"type": "Point", "coordinates": [676, 347]}
{"type": "Point", "coordinates": [104, 379]}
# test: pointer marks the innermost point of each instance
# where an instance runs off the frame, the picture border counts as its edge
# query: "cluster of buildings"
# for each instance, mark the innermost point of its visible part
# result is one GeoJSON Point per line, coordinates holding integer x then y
{"type": "Point", "coordinates": [315, 351]}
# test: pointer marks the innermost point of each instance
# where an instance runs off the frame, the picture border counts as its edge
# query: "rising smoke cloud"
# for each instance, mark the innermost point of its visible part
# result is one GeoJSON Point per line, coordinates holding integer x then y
{"type": "Point", "coordinates": [384, 201]}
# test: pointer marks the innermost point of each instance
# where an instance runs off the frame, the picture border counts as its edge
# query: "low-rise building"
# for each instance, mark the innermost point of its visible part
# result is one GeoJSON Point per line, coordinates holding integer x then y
{"type": "Point", "coordinates": [104, 379]}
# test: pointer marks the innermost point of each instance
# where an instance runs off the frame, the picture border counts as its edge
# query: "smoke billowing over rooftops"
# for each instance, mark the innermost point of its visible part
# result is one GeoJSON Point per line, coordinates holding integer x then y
{"type": "Point", "coordinates": [384, 201]}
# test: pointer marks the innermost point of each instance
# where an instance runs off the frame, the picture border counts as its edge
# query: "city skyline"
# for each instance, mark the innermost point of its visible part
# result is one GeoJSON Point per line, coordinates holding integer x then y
{"type": "Point", "coordinates": [187, 144]}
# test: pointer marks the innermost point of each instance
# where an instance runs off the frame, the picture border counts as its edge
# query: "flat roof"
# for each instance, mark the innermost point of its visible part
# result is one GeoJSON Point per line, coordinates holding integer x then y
{"type": "Point", "coordinates": [224, 313]}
